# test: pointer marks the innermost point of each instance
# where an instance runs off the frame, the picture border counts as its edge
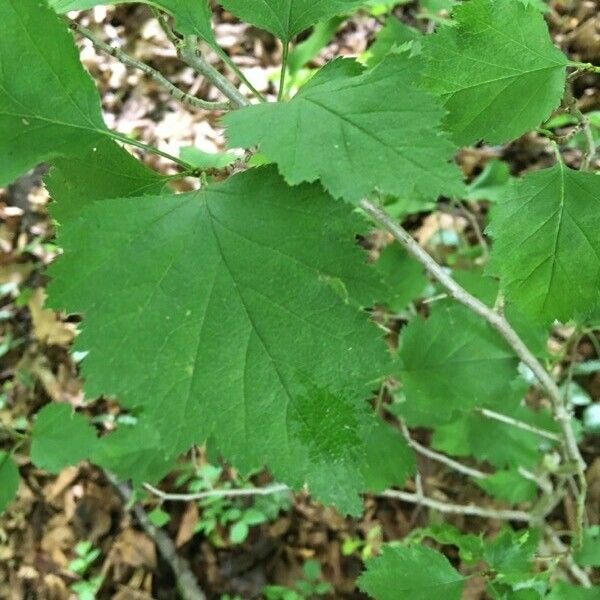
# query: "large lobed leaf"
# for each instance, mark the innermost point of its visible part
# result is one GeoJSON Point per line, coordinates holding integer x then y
{"type": "Point", "coordinates": [415, 572]}
{"type": "Point", "coordinates": [230, 314]}
{"type": "Point", "coordinates": [546, 244]}
{"type": "Point", "coordinates": [450, 363]}
{"type": "Point", "coordinates": [49, 105]}
{"type": "Point", "coordinates": [356, 132]}
{"type": "Point", "coordinates": [287, 18]}
{"type": "Point", "coordinates": [496, 70]}
{"type": "Point", "coordinates": [104, 171]}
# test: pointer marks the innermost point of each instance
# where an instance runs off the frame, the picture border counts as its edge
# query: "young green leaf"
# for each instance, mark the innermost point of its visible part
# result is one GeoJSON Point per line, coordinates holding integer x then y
{"type": "Point", "coordinates": [415, 572]}
{"type": "Point", "coordinates": [390, 37]}
{"type": "Point", "coordinates": [546, 237]}
{"type": "Point", "coordinates": [379, 471]}
{"type": "Point", "coordinates": [496, 70]}
{"type": "Point", "coordinates": [491, 183]}
{"type": "Point", "coordinates": [346, 127]}
{"type": "Point", "coordinates": [104, 171]}
{"type": "Point", "coordinates": [502, 445]}
{"type": "Point", "coordinates": [287, 18]}
{"type": "Point", "coordinates": [511, 552]}
{"type": "Point", "coordinates": [225, 314]}
{"type": "Point", "coordinates": [206, 160]}
{"type": "Point", "coordinates": [49, 105]}
{"type": "Point", "coordinates": [60, 438]}
{"type": "Point", "coordinates": [565, 591]}
{"type": "Point", "coordinates": [508, 485]}
{"type": "Point", "coordinates": [191, 16]}
{"type": "Point", "coordinates": [404, 275]}
{"type": "Point", "coordinates": [589, 553]}
{"type": "Point", "coordinates": [9, 480]}
{"type": "Point", "coordinates": [452, 362]}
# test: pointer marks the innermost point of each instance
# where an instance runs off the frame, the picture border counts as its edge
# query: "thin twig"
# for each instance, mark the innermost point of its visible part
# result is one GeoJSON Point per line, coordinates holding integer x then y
{"type": "Point", "coordinates": [503, 327]}
{"type": "Point", "coordinates": [581, 66]}
{"type": "Point", "coordinates": [187, 583]}
{"type": "Point", "coordinates": [419, 498]}
{"type": "Point", "coordinates": [576, 571]}
{"type": "Point", "coordinates": [188, 52]}
{"type": "Point", "coordinates": [458, 509]}
{"type": "Point", "coordinates": [441, 458]}
{"type": "Point", "coordinates": [571, 105]}
{"type": "Point", "coordinates": [173, 90]}
{"type": "Point", "coordinates": [472, 219]}
{"type": "Point", "coordinates": [164, 25]}
{"type": "Point", "coordinates": [490, 414]}
{"type": "Point", "coordinates": [224, 493]}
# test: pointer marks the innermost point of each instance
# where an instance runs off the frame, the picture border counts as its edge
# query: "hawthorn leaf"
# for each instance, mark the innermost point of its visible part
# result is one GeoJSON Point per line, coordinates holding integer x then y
{"type": "Point", "coordinates": [61, 438]}
{"type": "Point", "coordinates": [470, 546]}
{"type": "Point", "coordinates": [510, 486]}
{"type": "Point", "coordinates": [565, 591]}
{"type": "Point", "coordinates": [105, 171]}
{"type": "Point", "coordinates": [404, 276]}
{"type": "Point", "coordinates": [491, 183]}
{"type": "Point", "coordinates": [206, 160]}
{"type": "Point", "coordinates": [511, 552]}
{"type": "Point", "coordinates": [191, 16]}
{"type": "Point", "coordinates": [589, 553]}
{"type": "Point", "coordinates": [545, 237]}
{"type": "Point", "coordinates": [496, 71]}
{"type": "Point", "coordinates": [451, 362]}
{"type": "Point", "coordinates": [380, 472]}
{"type": "Point", "coordinates": [415, 572]}
{"type": "Point", "coordinates": [137, 453]}
{"type": "Point", "coordinates": [9, 480]}
{"type": "Point", "coordinates": [49, 105]}
{"type": "Point", "coordinates": [392, 36]}
{"type": "Point", "coordinates": [347, 126]}
{"type": "Point", "coordinates": [286, 18]}
{"type": "Point", "coordinates": [225, 314]}
{"type": "Point", "coordinates": [500, 444]}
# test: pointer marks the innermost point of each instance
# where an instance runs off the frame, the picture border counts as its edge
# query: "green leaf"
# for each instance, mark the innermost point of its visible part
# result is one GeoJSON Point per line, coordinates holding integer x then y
{"type": "Point", "coordinates": [470, 546]}
{"type": "Point", "coordinates": [136, 453]}
{"type": "Point", "coordinates": [415, 572]}
{"type": "Point", "coordinates": [346, 128]}
{"type": "Point", "coordinates": [60, 438]}
{"type": "Point", "coordinates": [191, 16]}
{"type": "Point", "coordinates": [511, 552]}
{"type": "Point", "coordinates": [589, 553]}
{"type": "Point", "coordinates": [49, 105]}
{"type": "Point", "coordinates": [546, 236]}
{"type": "Point", "coordinates": [239, 532]}
{"type": "Point", "coordinates": [379, 471]}
{"type": "Point", "coordinates": [226, 306]}
{"type": "Point", "coordinates": [390, 37]}
{"type": "Point", "coordinates": [491, 183]}
{"type": "Point", "coordinates": [207, 160]}
{"type": "Point", "coordinates": [566, 591]}
{"type": "Point", "coordinates": [287, 18]}
{"type": "Point", "coordinates": [500, 444]}
{"type": "Point", "coordinates": [105, 171]}
{"type": "Point", "coordinates": [9, 480]}
{"type": "Point", "coordinates": [496, 70]}
{"type": "Point", "coordinates": [509, 486]}
{"type": "Point", "coordinates": [452, 362]}
{"type": "Point", "coordinates": [404, 276]}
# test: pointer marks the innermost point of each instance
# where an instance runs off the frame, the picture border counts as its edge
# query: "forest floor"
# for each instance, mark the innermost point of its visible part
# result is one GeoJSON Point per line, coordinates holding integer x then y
{"type": "Point", "coordinates": [72, 532]}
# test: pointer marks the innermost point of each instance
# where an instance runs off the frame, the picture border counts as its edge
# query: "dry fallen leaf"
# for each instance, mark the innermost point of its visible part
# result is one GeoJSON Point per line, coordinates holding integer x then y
{"type": "Point", "coordinates": [47, 327]}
